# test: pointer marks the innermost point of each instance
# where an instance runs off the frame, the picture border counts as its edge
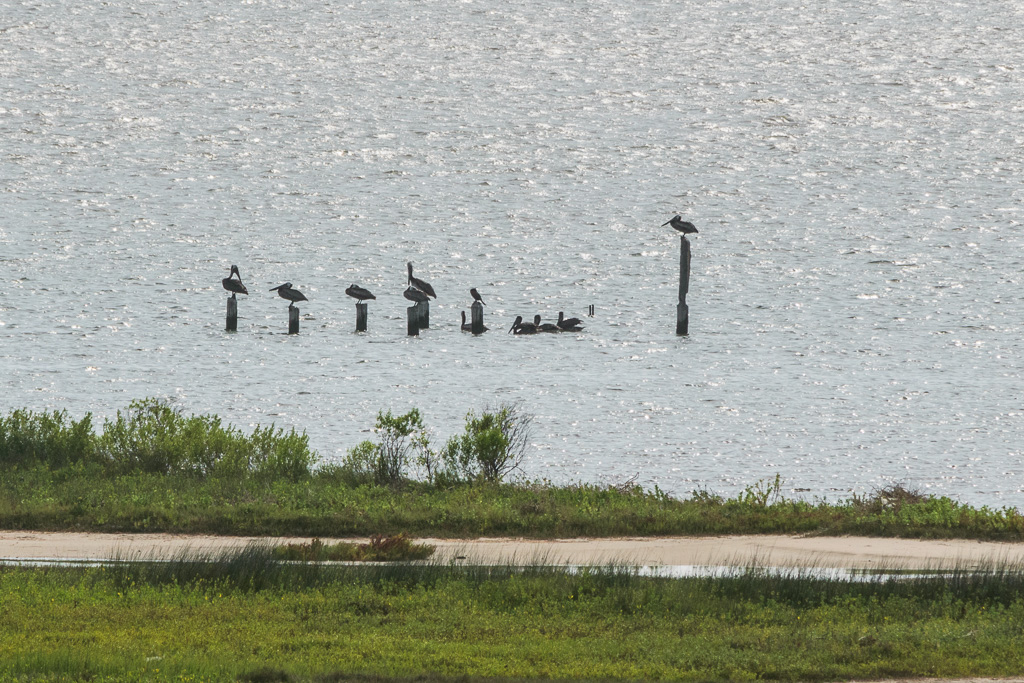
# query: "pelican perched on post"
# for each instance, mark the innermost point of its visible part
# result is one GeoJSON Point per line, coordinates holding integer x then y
{"type": "Point", "coordinates": [415, 295]}
{"type": "Point", "coordinates": [286, 291]}
{"type": "Point", "coordinates": [476, 296]}
{"type": "Point", "coordinates": [357, 292]}
{"type": "Point", "coordinates": [232, 285]}
{"type": "Point", "coordinates": [568, 324]}
{"type": "Point", "coordinates": [519, 327]}
{"type": "Point", "coordinates": [420, 284]}
{"type": "Point", "coordinates": [685, 227]}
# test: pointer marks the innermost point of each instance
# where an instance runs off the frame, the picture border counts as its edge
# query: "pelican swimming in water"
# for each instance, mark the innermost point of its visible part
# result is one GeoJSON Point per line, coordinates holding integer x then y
{"type": "Point", "coordinates": [519, 327]}
{"type": "Point", "coordinates": [420, 284]}
{"type": "Point", "coordinates": [685, 227]}
{"type": "Point", "coordinates": [415, 295]}
{"type": "Point", "coordinates": [286, 291]}
{"type": "Point", "coordinates": [357, 292]}
{"type": "Point", "coordinates": [232, 285]}
{"type": "Point", "coordinates": [476, 296]}
{"type": "Point", "coordinates": [545, 327]}
{"type": "Point", "coordinates": [568, 324]}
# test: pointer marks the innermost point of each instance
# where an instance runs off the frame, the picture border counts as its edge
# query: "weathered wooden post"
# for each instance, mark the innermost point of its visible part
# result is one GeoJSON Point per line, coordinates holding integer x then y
{"type": "Point", "coordinates": [412, 324]}
{"type": "Point", "coordinates": [293, 320]}
{"type": "Point", "coordinates": [361, 317]}
{"type": "Point", "coordinates": [232, 323]}
{"type": "Point", "coordinates": [424, 313]}
{"type": "Point", "coordinates": [478, 318]}
{"type": "Point", "coordinates": [682, 310]}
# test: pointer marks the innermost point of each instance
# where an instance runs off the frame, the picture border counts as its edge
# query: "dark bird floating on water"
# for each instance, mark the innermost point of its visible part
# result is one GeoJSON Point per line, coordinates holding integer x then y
{"type": "Point", "coordinates": [685, 227]}
{"type": "Point", "coordinates": [476, 296]}
{"type": "Point", "coordinates": [420, 284]}
{"type": "Point", "coordinates": [415, 295]}
{"type": "Point", "coordinates": [545, 327]}
{"type": "Point", "coordinates": [519, 327]}
{"type": "Point", "coordinates": [569, 324]}
{"type": "Point", "coordinates": [286, 291]}
{"type": "Point", "coordinates": [357, 292]}
{"type": "Point", "coordinates": [232, 285]}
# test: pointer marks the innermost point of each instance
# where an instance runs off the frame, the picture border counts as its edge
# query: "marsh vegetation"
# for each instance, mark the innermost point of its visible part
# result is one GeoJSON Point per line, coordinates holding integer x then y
{"type": "Point", "coordinates": [153, 468]}
{"type": "Point", "coordinates": [249, 617]}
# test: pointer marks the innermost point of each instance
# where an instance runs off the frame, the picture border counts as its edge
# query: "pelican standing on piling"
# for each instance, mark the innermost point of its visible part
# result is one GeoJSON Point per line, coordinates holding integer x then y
{"type": "Point", "coordinates": [420, 284]}
{"type": "Point", "coordinates": [360, 293]}
{"type": "Point", "coordinates": [289, 293]}
{"type": "Point", "coordinates": [685, 227]}
{"type": "Point", "coordinates": [415, 295]}
{"type": "Point", "coordinates": [232, 285]}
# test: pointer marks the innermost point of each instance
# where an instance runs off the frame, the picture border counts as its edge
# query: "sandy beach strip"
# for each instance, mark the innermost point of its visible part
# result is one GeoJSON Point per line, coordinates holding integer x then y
{"type": "Point", "coordinates": [769, 551]}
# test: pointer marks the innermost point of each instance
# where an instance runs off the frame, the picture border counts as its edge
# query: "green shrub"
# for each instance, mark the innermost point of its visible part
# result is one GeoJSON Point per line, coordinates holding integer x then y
{"type": "Point", "coordinates": [53, 438]}
{"type": "Point", "coordinates": [386, 462]}
{"type": "Point", "coordinates": [153, 437]}
{"type": "Point", "coordinates": [492, 446]}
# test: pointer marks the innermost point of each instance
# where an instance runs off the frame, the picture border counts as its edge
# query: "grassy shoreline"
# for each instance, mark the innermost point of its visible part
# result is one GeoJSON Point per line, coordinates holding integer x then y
{"type": "Point", "coordinates": [154, 469]}
{"type": "Point", "coordinates": [90, 499]}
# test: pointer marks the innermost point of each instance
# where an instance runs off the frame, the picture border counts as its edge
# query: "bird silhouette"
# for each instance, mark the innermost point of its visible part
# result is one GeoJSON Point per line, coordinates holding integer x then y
{"type": "Point", "coordinates": [357, 292]}
{"type": "Point", "coordinates": [286, 291]}
{"type": "Point", "coordinates": [476, 296]}
{"type": "Point", "coordinates": [232, 285]}
{"type": "Point", "coordinates": [685, 227]}
{"type": "Point", "coordinates": [420, 284]}
{"type": "Point", "coordinates": [415, 295]}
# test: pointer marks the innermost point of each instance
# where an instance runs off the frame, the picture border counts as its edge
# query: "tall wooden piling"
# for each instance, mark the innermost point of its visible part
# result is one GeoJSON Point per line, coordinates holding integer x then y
{"type": "Point", "coordinates": [361, 317]}
{"type": "Point", "coordinates": [293, 320]}
{"type": "Point", "coordinates": [232, 320]}
{"type": "Point", "coordinates": [424, 313]}
{"type": "Point", "coordinates": [477, 326]}
{"type": "Point", "coordinates": [412, 324]}
{"type": "Point", "coordinates": [682, 310]}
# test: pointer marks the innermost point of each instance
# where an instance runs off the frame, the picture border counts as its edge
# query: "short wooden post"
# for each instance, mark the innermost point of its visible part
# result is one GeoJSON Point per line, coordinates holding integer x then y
{"type": "Point", "coordinates": [682, 310]}
{"type": "Point", "coordinates": [424, 314]}
{"type": "Point", "coordinates": [232, 324]}
{"type": "Point", "coordinates": [412, 324]}
{"type": "Point", "coordinates": [293, 320]}
{"type": "Point", "coordinates": [590, 312]}
{"type": "Point", "coordinates": [361, 317]}
{"type": "Point", "coordinates": [478, 318]}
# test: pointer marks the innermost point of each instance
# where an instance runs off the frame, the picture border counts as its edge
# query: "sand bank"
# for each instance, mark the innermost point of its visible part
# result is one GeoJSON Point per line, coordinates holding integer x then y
{"type": "Point", "coordinates": [786, 551]}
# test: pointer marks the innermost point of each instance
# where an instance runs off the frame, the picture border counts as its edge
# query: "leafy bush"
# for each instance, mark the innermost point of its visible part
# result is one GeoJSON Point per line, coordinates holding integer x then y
{"type": "Point", "coordinates": [151, 436]}
{"type": "Point", "coordinates": [52, 438]}
{"type": "Point", "coordinates": [492, 446]}
{"type": "Point", "coordinates": [386, 462]}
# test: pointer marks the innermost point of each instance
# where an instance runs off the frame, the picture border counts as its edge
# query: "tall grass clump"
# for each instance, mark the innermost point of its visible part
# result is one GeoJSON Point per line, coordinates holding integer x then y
{"type": "Point", "coordinates": [27, 437]}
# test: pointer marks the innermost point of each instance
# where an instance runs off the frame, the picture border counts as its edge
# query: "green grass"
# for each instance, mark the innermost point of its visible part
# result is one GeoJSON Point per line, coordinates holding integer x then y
{"type": "Point", "coordinates": [89, 498]}
{"type": "Point", "coordinates": [248, 618]}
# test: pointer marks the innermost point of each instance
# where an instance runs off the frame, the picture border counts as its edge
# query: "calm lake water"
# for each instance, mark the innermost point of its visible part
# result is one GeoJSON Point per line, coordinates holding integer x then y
{"type": "Point", "coordinates": [854, 169]}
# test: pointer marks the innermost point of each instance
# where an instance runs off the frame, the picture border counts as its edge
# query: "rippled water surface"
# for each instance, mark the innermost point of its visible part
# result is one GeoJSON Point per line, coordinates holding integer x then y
{"type": "Point", "coordinates": [854, 168]}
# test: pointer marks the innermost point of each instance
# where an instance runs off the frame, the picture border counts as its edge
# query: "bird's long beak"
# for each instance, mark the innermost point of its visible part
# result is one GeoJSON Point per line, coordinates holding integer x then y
{"type": "Point", "coordinates": [274, 289]}
{"type": "Point", "coordinates": [511, 328]}
{"type": "Point", "coordinates": [665, 223]}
